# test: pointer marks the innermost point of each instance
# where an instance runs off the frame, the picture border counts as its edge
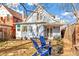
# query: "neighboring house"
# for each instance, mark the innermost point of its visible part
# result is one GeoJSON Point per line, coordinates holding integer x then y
{"type": "Point", "coordinates": [39, 22]}
{"type": "Point", "coordinates": [7, 19]}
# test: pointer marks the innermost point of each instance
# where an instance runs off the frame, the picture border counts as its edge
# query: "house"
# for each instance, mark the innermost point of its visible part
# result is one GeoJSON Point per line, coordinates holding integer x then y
{"type": "Point", "coordinates": [7, 19]}
{"type": "Point", "coordinates": [39, 22]}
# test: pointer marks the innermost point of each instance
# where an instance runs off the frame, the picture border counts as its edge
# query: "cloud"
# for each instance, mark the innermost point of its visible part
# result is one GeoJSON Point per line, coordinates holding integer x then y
{"type": "Point", "coordinates": [30, 4]}
{"type": "Point", "coordinates": [57, 17]}
{"type": "Point", "coordinates": [68, 17]}
{"type": "Point", "coordinates": [19, 11]}
{"type": "Point", "coordinates": [12, 4]}
{"type": "Point", "coordinates": [66, 13]}
{"type": "Point", "coordinates": [15, 4]}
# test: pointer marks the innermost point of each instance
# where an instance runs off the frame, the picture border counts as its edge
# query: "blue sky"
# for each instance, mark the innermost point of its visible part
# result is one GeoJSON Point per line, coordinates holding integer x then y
{"type": "Point", "coordinates": [61, 10]}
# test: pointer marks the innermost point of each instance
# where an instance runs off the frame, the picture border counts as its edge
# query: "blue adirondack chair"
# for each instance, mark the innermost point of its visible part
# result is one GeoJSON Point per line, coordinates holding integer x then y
{"type": "Point", "coordinates": [44, 45]}
{"type": "Point", "coordinates": [43, 49]}
{"type": "Point", "coordinates": [40, 51]}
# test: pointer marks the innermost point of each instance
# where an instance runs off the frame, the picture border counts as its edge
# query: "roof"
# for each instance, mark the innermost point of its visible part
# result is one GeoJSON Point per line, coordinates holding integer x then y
{"type": "Point", "coordinates": [36, 11]}
{"type": "Point", "coordinates": [30, 23]}
{"type": "Point", "coordinates": [44, 23]}
{"type": "Point", "coordinates": [14, 13]}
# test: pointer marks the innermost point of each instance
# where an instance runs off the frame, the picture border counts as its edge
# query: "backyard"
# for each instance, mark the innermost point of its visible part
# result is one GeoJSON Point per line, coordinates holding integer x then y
{"type": "Point", "coordinates": [16, 48]}
{"type": "Point", "coordinates": [22, 47]}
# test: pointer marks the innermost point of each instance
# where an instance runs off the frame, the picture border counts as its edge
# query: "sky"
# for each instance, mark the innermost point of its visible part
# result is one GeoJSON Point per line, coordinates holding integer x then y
{"type": "Point", "coordinates": [64, 11]}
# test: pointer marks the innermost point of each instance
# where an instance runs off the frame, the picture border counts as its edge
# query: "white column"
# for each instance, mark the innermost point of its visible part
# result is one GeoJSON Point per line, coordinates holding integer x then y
{"type": "Point", "coordinates": [49, 32]}
{"type": "Point", "coordinates": [60, 32]}
{"type": "Point", "coordinates": [37, 29]}
{"type": "Point", "coordinates": [52, 32]}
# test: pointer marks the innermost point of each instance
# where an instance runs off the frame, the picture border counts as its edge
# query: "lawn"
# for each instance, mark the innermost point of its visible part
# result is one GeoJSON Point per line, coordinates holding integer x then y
{"type": "Point", "coordinates": [22, 47]}
{"type": "Point", "coordinates": [16, 48]}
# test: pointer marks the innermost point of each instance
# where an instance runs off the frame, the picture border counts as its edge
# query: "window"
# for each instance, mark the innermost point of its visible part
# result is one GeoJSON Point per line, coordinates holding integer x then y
{"type": "Point", "coordinates": [18, 27]}
{"type": "Point", "coordinates": [30, 29]}
{"type": "Point", "coordinates": [41, 17]}
{"type": "Point", "coordinates": [24, 28]}
{"type": "Point", "coordinates": [1, 18]}
{"type": "Point", "coordinates": [8, 17]}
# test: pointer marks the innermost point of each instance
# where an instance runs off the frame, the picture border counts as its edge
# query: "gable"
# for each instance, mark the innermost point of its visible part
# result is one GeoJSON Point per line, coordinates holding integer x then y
{"type": "Point", "coordinates": [44, 16]}
{"type": "Point", "coordinates": [4, 14]}
{"type": "Point", "coordinates": [33, 18]}
{"type": "Point", "coordinates": [4, 11]}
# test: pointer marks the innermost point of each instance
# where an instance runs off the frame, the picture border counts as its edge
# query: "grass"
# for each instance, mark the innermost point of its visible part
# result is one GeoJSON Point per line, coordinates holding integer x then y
{"type": "Point", "coordinates": [22, 47]}
{"type": "Point", "coordinates": [16, 48]}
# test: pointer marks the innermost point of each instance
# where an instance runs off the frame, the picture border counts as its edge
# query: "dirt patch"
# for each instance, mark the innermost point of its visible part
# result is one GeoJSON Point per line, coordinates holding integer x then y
{"type": "Point", "coordinates": [16, 48]}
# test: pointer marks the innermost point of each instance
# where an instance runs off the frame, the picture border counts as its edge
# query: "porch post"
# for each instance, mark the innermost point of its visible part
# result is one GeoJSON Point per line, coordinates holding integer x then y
{"type": "Point", "coordinates": [52, 32]}
{"type": "Point", "coordinates": [60, 32]}
{"type": "Point", "coordinates": [44, 31]}
{"type": "Point", "coordinates": [49, 33]}
{"type": "Point", "coordinates": [36, 30]}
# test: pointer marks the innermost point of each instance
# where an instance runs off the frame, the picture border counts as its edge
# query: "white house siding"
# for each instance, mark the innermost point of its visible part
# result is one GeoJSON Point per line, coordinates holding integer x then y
{"type": "Point", "coordinates": [27, 33]}
{"type": "Point", "coordinates": [46, 17]}
{"type": "Point", "coordinates": [43, 17]}
{"type": "Point", "coordinates": [32, 18]}
{"type": "Point", "coordinates": [33, 33]}
{"type": "Point", "coordinates": [41, 30]}
{"type": "Point", "coordinates": [18, 33]}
